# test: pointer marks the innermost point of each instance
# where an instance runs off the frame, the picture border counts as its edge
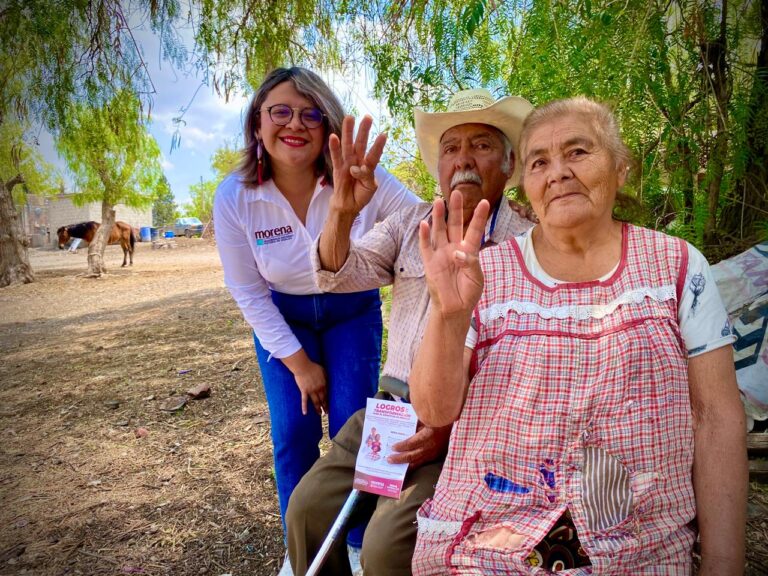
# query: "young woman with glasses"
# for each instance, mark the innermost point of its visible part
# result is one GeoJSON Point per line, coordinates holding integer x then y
{"type": "Point", "coordinates": [314, 350]}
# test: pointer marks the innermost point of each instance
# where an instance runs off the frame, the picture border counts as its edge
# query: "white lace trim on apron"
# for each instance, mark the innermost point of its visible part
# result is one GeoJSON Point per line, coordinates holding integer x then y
{"type": "Point", "coordinates": [579, 311]}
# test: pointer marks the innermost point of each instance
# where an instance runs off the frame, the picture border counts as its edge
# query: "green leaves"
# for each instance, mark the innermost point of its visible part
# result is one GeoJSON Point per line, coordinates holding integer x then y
{"type": "Point", "coordinates": [18, 157]}
{"type": "Point", "coordinates": [643, 58]}
{"type": "Point", "coordinates": [647, 59]}
{"type": "Point", "coordinates": [164, 205]}
{"type": "Point", "coordinates": [56, 53]}
{"type": "Point", "coordinates": [111, 155]}
{"type": "Point", "coordinates": [241, 40]}
{"type": "Point", "coordinates": [224, 160]}
{"type": "Point", "coordinates": [472, 15]}
{"type": "Point", "coordinates": [201, 200]}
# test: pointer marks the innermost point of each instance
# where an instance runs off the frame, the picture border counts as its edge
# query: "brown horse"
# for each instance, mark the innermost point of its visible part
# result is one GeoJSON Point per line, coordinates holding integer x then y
{"type": "Point", "coordinates": [121, 233]}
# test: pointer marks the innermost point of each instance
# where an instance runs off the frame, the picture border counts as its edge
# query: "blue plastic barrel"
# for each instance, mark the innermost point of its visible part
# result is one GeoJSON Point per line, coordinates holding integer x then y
{"type": "Point", "coordinates": [145, 233]}
{"type": "Point", "coordinates": [154, 233]}
{"type": "Point", "coordinates": [169, 234]}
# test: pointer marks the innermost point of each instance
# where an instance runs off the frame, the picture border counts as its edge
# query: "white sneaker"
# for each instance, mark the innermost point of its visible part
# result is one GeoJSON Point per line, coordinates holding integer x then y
{"type": "Point", "coordinates": [354, 560]}
{"type": "Point", "coordinates": [286, 570]}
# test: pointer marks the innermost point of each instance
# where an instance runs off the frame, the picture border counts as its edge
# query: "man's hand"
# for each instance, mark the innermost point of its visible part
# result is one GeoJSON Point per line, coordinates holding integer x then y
{"type": "Point", "coordinates": [353, 165]}
{"type": "Point", "coordinates": [427, 445]}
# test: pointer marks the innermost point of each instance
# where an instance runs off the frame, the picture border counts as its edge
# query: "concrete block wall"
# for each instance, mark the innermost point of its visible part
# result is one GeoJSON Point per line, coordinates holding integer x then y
{"type": "Point", "coordinates": [136, 217]}
{"type": "Point", "coordinates": [63, 212]}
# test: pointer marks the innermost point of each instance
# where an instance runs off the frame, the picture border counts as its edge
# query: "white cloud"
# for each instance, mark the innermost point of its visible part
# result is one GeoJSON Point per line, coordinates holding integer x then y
{"type": "Point", "coordinates": [165, 163]}
{"type": "Point", "coordinates": [195, 137]}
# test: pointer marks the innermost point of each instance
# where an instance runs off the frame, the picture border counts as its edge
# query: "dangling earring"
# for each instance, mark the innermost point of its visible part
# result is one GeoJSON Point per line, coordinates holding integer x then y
{"type": "Point", "coordinates": [260, 165]}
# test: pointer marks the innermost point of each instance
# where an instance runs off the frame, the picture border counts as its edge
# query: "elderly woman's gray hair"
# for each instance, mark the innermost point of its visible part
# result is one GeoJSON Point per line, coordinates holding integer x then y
{"type": "Point", "coordinates": [600, 115]}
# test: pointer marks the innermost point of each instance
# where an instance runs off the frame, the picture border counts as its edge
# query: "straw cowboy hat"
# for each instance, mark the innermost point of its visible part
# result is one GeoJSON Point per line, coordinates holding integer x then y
{"type": "Point", "coordinates": [471, 107]}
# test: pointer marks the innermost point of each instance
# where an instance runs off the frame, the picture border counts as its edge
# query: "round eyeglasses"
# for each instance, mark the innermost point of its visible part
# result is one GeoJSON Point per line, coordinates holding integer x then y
{"type": "Point", "coordinates": [282, 114]}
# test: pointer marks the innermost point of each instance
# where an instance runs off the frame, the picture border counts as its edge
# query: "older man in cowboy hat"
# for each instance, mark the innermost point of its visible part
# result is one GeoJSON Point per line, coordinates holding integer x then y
{"type": "Point", "coordinates": [470, 148]}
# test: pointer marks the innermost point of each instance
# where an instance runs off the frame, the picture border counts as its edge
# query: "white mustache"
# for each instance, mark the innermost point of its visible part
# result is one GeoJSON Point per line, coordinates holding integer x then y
{"type": "Point", "coordinates": [465, 177]}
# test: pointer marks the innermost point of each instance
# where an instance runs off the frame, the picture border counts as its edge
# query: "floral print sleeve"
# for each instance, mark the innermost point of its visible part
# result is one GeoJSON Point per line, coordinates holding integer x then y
{"type": "Point", "coordinates": [703, 320]}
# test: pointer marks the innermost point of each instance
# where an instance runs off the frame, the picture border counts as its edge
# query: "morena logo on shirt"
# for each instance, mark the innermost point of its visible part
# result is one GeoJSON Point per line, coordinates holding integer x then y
{"type": "Point", "coordinates": [272, 235]}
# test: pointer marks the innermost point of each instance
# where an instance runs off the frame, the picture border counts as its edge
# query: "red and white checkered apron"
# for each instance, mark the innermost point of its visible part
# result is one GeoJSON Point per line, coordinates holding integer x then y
{"type": "Point", "coordinates": [580, 402]}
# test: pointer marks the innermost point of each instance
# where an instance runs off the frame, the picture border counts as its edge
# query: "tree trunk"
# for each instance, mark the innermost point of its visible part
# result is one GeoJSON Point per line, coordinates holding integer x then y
{"type": "Point", "coordinates": [740, 219]}
{"type": "Point", "coordinates": [719, 153]}
{"type": "Point", "coordinates": [14, 260]}
{"type": "Point", "coordinates": [96, 266]}
{"type": "Point", "coordinates": [683, 178]}
{"type": "Point", "coordinates": [715, 70]}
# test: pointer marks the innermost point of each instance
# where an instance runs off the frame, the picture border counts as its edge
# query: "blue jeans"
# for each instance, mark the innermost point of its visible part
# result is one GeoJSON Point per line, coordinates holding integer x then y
{"type": "Point", "coordinates": [342, 333]}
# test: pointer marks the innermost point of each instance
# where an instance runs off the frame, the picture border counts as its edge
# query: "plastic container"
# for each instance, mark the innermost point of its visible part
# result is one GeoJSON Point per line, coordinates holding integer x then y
{"type": "Point", "coordinates": [169, 234]}
{"type": "Point", "coordinates": [145, 233]}
{"type": "Point", "coordinates": [154, 233]}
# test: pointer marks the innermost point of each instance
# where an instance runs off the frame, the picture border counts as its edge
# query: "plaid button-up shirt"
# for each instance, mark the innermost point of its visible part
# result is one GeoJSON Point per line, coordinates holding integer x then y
{"type": "Point", "coordinates": [389, 254]}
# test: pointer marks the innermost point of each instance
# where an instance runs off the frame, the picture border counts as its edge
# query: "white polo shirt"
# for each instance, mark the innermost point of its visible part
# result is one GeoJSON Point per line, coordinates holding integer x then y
{"type": "Point", "coordinates": [264, 246]}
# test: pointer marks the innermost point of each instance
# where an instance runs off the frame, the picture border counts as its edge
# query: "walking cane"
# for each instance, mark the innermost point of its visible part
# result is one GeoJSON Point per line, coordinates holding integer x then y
{"type": "Point", "coordinates": [333, 533]}
{"type": "Point", "coordinates": [392, 386]}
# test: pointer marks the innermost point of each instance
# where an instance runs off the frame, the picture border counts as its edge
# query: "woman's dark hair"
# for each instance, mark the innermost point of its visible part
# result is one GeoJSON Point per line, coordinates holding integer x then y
{"type": "Point", "coordinates": [309, 85]}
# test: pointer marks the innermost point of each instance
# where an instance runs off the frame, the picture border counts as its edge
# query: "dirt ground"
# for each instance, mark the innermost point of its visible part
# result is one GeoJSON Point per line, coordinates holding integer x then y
{"type": "Point", "coordinates": [86, 365]}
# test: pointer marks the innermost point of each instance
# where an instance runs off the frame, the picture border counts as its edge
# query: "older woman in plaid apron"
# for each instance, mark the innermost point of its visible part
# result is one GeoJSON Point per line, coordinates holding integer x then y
{"type": "Point", "coordinates": [588, 367]}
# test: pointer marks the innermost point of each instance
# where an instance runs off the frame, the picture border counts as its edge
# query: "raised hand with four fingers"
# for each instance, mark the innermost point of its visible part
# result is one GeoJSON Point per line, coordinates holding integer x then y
{"type": "Point", "coordinates": [354, 182]}
{"type": "Point", "coordinates": [450, 256]}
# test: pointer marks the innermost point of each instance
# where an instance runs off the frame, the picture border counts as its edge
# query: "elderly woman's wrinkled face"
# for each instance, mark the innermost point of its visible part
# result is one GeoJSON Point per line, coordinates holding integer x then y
{"type": "Point", "coordinates": [570, 178]}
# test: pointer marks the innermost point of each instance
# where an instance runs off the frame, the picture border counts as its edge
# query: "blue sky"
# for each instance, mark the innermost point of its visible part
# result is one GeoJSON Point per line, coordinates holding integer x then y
{"type": "Point", "coordinates": [210, 121]}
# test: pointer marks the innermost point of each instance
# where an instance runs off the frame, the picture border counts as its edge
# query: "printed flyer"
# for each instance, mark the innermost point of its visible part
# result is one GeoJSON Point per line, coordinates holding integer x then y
{"type": "Point", "coordinates": [386, 423]}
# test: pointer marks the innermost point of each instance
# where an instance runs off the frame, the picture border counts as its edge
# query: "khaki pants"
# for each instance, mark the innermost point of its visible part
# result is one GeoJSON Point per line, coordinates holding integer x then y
{"type": "Point", "coordinates": [391, 533]}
